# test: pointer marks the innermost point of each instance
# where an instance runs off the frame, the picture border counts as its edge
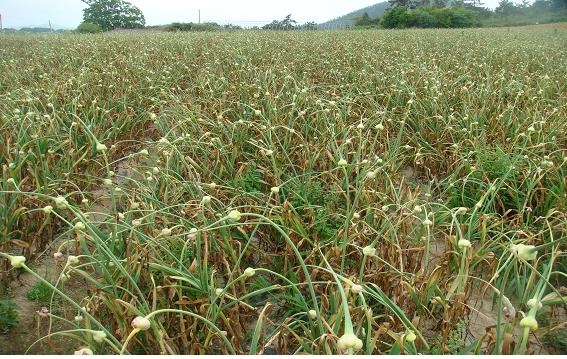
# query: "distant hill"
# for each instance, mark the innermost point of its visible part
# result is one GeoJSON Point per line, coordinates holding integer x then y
{"type": "Point", "coordinates": [349, 19]}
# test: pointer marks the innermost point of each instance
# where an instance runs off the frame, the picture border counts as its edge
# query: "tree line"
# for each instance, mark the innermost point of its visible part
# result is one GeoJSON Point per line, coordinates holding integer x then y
{"type": "Point", "coordinates": [286, 24]}
{"type": "Point", "coordinates": [104, 15]}
{"type": "Point", "coordinates": [465, 13]}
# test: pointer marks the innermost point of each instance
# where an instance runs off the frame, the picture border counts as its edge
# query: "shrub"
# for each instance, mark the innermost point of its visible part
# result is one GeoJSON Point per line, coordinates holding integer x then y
{"type": "Point", "coordinates": [189, 26]}
{"type": "Point", "coordinates": [460, 17]}
{"type": "Point", "coordinates": [428, 17]}
{"type": "Point", "coordinates": [88, 28]}
{"type": "Point", "coordinates": [421, 18]}
{"type": "Point", "coordinates": [396, 18]}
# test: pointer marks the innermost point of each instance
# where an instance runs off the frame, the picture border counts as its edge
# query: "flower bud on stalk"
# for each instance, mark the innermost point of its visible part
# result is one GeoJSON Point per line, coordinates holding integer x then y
{"type": "Point", "coordinates": [249, 272]}
{"type": "Point", "coordinates": [525, 252]}
{"type": "Point", "coordinates": [464, 243]}
{"type": "Point", "coordinates": [410, 336]}
{"type": "Point", "coordinates": [529, 322]}
{"type": "Point", "coordinates": [349, 341]}
{"type": "Point", "coordinates": [99, 336]}
{"type": "Point", "coordinates": [235, 215]}
{"type": "Point", "coordinates": [141, 323]}
{"type": "Point", "coordinates": [83, 351]}
{"type": "Point", "coordinates": [369, 251]}
{"type": "Point", "coordinates": [17, 261]}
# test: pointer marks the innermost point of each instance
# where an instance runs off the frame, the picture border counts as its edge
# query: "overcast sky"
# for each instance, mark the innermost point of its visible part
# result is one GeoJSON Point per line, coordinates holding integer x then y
{"type": "Point", "coordinates": [68, 13]}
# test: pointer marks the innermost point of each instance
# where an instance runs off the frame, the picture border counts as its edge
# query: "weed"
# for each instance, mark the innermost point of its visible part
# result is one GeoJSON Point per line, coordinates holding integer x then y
{"type": "Point", "coordinates": [39, 292]}
{"type": "Point", "coordinates": [9, 316]}
{"type": "Point", "coordinates": [556, 339]}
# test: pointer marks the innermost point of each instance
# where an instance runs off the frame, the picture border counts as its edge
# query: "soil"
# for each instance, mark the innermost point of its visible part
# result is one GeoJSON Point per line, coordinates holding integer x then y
{"type": "Point", "coordinates": [31, 327]}
{"type": "Point", "coordinates": [484, 316]}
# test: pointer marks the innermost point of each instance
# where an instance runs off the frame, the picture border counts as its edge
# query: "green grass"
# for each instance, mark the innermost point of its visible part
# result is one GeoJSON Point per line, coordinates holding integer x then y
{"type": "Point", "coordinates": [39, 292]}
{"type": "Point", "coordinates": [9, 316]}
{"type": "Point", "coordinates": [353, 180]}
{"type": "Point", "coordinates": [557, 340]}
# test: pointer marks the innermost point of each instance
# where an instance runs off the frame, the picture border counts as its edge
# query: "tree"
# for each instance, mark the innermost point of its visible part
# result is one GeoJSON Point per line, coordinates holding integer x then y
{"type": "Point", "coordinates": [422, 3]}
{"type": "Point", "coordinates": [113, 14]}
{"type": "Point", "coordinates": [473, 3]}
{"type": "Point", "coordinates": [559, 4]}
{"type": "Point", "coordinates": [363, 20]}
{"type": "Point", "coordinates": [422, 19]}
{"type": "Point", "coordinates": [506, 8]}
{"type": "Point", "coordinates": [366, 20]}
{"type": "Point", "coordinates": [286, 24]}
{"type": "Point", "coordinates": [408, 4]}
{"type": "Point", "coordinates": [541, 5]}
{"type": "Point", "coordinates": [274, 25]}
{"type": "Point", "coordinates": [232, 27]}
{"type": "Point", "coordinates": [397, 17]}
{"type": "Point", "coordinates": [309, 26]}
{"type": "Point", "coordinates": [439, 3]}
{"type": "Point", "coordinates": [461, 17]}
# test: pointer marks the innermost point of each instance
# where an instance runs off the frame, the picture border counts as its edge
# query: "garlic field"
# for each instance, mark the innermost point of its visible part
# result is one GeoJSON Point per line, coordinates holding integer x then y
{"type": "Point", "coordinates": [322, 192]}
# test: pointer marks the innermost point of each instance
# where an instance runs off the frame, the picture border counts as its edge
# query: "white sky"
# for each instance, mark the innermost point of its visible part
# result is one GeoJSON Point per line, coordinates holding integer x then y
{"type": "Point", "coordinates": [68, 13]}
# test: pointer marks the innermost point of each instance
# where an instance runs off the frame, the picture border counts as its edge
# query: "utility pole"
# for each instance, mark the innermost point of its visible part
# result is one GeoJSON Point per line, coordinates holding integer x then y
{"type": "Point", "coordinates": [50, 29]}
{"type": "Point", "coordinates": [199, 16]}
{"type": "Point", "coordinates": [0, 22]}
